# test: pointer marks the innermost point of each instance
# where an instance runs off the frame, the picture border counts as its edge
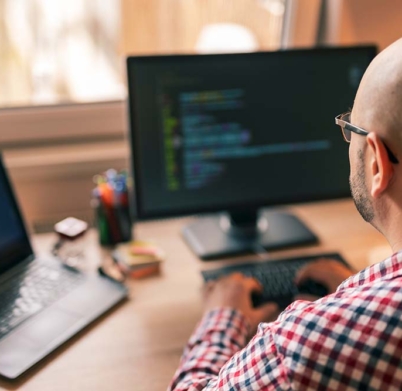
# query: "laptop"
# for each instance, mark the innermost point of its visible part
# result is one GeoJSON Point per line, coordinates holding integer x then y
{"type": "Point", "coordinates": [42, 302]}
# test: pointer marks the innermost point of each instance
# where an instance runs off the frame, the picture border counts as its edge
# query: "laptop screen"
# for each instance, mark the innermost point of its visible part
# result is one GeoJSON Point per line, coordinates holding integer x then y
{"type": "Point", "coordinates": [14, 243]}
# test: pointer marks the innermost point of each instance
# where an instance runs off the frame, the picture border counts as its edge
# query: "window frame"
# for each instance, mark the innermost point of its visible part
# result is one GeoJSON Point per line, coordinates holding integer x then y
{"type": "Point", "coordinates": [301, 23]}
{"type": "Point", "coordinates": [60, 123]}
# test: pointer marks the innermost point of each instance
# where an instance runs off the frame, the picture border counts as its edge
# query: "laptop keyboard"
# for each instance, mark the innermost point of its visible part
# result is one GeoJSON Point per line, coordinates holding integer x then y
{"type": "Point", "coordinates": [276, 276]}
{"type": "Point", "coordinates": [37, 287]}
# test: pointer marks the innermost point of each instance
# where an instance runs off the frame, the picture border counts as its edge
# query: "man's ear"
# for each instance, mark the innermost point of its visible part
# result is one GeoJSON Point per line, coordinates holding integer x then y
{"type": "Point", "coordinates": [380, 167]}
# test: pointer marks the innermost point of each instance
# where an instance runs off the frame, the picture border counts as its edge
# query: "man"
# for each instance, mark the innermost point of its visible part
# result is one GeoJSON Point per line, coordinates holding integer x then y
{"type": "Point", "coordinates": [350, 339]}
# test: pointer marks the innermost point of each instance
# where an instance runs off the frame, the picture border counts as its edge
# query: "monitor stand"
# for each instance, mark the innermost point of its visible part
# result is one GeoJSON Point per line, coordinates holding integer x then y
{"type": "Point", "coordinates": [237, 233]}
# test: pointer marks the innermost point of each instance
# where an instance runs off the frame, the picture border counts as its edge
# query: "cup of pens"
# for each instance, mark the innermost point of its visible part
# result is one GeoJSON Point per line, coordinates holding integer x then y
{"type": "Point", "coordinates": [111, 204]}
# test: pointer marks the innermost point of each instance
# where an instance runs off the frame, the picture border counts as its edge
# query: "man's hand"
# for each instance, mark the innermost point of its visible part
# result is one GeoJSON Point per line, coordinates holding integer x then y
{"type": "Point", "coordinates": [234, 291]}
{"type": "Point", "coordinates": [327, 272]}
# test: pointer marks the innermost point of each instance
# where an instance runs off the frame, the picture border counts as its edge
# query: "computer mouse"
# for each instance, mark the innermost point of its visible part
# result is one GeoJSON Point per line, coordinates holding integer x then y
{"type": "Point", "coordinates": [312, 287]}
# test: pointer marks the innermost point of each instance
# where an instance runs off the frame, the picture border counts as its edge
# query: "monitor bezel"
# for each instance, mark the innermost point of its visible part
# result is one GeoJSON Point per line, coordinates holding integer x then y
{"type": "Point", "coordinates": [135, 164]}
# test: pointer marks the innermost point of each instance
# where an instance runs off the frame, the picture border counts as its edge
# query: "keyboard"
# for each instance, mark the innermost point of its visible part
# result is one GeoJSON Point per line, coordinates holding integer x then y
{"type": "Point", "coordinates": [276, 277]}
{"type": "Point", "coordinates": [35, 288]}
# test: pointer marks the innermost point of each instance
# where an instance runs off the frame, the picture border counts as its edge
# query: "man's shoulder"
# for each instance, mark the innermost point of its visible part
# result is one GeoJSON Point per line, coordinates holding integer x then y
{"type": "Point", "coordinates": [345, 310]}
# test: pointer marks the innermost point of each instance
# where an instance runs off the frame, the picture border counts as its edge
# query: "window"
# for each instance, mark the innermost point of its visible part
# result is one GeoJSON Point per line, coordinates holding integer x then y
{"type": "Point", "coordinates": [59, 51]}
{"type": "Point", "coordinates": [73, 50]}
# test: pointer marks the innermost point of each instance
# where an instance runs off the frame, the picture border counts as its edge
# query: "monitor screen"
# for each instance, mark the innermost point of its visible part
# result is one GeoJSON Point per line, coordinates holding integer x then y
{"type": "Point", "coordinates": [237, 131]}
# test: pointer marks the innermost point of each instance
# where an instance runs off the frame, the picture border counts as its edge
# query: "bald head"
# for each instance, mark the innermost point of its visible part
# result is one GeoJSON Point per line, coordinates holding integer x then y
{"type": "Point", "coordinates": [378, 104]}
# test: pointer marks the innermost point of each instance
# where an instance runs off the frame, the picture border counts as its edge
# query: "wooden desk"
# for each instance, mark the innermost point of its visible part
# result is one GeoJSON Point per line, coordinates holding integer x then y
{"type": "Point", "coordinates": [137, 346]}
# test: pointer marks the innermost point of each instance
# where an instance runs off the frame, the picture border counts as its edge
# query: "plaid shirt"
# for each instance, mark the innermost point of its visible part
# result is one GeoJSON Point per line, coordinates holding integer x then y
{"type": "Point", "coordinates": [350, 340]}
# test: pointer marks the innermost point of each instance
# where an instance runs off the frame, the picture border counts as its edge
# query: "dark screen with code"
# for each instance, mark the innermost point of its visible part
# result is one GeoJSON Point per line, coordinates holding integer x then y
{"type": "Point", "coordinates": [229, 131]}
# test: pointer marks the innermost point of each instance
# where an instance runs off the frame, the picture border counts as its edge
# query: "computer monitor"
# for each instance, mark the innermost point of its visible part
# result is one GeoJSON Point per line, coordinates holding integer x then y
{"type": "Point", "coordinates": [236, 133]}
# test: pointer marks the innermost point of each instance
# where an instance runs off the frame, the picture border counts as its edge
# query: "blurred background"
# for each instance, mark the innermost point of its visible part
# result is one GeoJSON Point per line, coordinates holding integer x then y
{"type": "Point", "coordinates": [73, 50]}
{"type": "Point", "coordinates": [62, 74]}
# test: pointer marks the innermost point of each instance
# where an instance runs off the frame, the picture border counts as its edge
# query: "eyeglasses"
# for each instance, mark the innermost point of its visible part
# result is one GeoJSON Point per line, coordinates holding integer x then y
{"type": "Point", "coordinates": [343, 120]}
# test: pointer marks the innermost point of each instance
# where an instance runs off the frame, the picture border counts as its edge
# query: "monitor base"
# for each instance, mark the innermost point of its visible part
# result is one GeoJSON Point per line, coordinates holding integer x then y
{"type": "Point", "coordinates": [210, 237]}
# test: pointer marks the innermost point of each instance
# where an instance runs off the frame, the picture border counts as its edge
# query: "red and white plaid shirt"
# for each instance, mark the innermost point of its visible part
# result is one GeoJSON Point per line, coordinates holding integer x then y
{"type": "Point", "coordinates": [350, 340]}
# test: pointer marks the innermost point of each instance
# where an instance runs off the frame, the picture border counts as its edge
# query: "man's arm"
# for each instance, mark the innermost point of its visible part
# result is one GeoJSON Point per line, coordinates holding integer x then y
{"type": "Point", "coordinates": [220, 334]}
{"type": "Point", "coordinates": [213, 359]}
{"type": "Point", "coordinates": [228, 322]}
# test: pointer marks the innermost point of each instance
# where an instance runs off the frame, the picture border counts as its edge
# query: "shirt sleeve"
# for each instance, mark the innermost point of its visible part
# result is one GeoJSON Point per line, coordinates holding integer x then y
{"type": "Point", "coordinates": [219, 335]}
{"type": "Point", "coordinates": [214, 358]}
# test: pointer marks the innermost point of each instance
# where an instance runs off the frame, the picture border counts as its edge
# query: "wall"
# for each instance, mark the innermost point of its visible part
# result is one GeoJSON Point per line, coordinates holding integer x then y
{"type": "Point", "coordinates": [363, 21]}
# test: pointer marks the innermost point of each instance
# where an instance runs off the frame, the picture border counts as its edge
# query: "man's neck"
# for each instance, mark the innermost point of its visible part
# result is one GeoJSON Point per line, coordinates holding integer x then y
{"type": "Point", "coordinates": [393, 231]}
{"type": "Point", "coordinates": [397, 247]}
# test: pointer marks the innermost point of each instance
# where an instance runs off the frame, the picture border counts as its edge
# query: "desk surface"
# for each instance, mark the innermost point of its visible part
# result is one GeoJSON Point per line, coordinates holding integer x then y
{"type": "Point", "coordinates": [138, 345]}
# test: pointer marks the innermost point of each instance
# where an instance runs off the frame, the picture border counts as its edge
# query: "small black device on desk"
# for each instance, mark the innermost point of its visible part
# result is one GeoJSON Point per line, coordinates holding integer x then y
{"type": "Point", "coordinates": [277, 278]}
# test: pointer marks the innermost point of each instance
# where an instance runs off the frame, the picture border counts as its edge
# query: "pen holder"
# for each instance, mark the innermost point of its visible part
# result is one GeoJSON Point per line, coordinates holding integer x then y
{"type": "Point", "coordinates": [113, 222]}
{"type": "Point", "coordinates": [110, 201]}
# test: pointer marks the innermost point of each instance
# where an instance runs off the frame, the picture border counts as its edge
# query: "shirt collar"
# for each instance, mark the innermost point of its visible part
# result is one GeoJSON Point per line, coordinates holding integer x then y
{"type": "Point", "coordinates": [388, 269]}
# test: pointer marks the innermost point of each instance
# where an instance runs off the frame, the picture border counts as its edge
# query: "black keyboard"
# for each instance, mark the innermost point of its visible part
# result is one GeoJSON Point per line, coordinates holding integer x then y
{"type": "Point", "coordinates": [35, 288]}
{"type": "Point", "coordinates": [276, 277]}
